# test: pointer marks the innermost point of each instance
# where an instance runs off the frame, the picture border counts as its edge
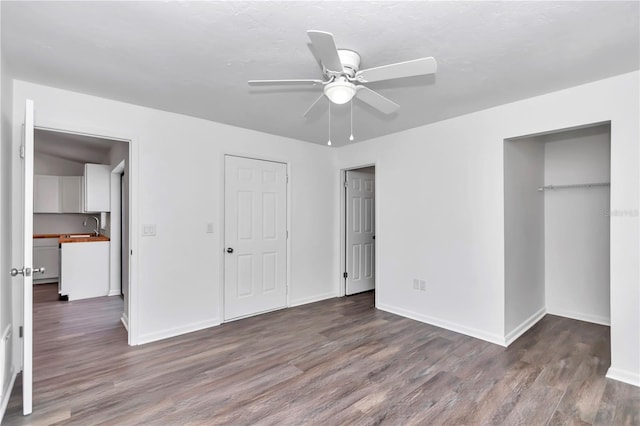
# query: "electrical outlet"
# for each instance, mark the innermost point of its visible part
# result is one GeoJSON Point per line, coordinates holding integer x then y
{"type": "Point", "coordinates": [416, 284]}
{"type": "Point", "coordinates": [423, 285]}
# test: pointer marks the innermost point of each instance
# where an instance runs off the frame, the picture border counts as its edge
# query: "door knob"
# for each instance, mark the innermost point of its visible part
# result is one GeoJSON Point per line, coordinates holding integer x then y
{"type": "Point", "coordinates": [22, 271]}
{"type": "Point", "coordinates": [229, 250]}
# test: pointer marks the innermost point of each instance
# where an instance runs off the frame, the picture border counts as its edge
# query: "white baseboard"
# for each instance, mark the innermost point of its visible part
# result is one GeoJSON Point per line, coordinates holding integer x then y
{"type": "Point", "coordinates": [177, 331]}
{"type": "Point", "coordinates": [172, 332]}
{"type": "Point", "coordinates": [313, 299]}
{"type": "Point", "coordinates": [624, 376]}
{"type": "Point", "coordinates": [7, 393]}
{"type": "Point", "coordinates": [596, 319]}
{"type": "Point", "coordinates": [113, 293]}
{"type": "Point", "coordinates": [45, 281]}
{"type": "Point", "coordinates": [524, 326]}
{"type": "Point", "coordinates": [125, 321]}
{"type": "Point", "coordinates": [448, 325]}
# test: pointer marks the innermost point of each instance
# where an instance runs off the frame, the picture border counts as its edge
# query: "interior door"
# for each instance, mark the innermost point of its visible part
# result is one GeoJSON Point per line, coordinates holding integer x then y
{"type": "Point", "coordinates": [23, 266]}
{"type": "Point", "coordinates": [360, 231]}
{"type": "Point", "coordinates": [255, 237]}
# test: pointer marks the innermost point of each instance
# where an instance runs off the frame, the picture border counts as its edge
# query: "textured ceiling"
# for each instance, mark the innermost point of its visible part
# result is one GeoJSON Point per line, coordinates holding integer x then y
{"type": "Point", "coordinates": [195, 58]}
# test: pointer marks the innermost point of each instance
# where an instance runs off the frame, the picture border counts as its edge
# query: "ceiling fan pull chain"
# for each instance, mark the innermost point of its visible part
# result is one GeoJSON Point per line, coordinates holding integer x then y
{"type": "Point", "coordinates": [351, 136]}
{"type": "Point", "coordinates": [329, 141]}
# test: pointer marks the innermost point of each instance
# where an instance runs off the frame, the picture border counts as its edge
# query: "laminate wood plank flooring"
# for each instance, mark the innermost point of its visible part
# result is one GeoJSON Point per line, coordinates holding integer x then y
{"type": "Point", "coordinates": [334, 362]}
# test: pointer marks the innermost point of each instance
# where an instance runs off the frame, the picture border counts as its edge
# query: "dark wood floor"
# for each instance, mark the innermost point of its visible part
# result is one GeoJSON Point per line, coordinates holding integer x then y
{"type": "Point", "coordinates": [338, 361]}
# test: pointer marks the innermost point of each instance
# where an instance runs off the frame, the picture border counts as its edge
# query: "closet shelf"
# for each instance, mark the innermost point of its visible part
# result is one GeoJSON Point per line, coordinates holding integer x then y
{"type": "Point", "coordinates": [575, 185]}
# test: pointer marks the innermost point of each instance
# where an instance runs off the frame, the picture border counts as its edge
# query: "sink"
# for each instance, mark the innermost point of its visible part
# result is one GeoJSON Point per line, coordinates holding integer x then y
{"type": "Point", "coordinates": [78, 236]}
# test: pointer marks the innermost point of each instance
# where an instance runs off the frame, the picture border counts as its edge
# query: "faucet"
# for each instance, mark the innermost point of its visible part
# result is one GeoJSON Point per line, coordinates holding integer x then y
{"type": "Point", "coordinates": [97, 224]}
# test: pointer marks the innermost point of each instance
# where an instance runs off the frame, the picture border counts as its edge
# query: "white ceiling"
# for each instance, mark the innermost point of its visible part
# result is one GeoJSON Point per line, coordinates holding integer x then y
{"type": "Point", "coordinates": [195, 58]}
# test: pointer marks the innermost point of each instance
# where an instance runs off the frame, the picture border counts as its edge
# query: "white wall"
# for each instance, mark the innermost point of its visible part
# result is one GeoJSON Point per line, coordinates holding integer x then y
{"type": "Point", "coordinates": [6, 285]}
{"type": "Point", "coordinates": [61, 223]}
{"type": "Point", "coordinates": [440, 211]}
{"type": "Point", "coordinates": [177, 184]}
{"type": "Point", "coordinates": [45, 164]}
{"type": "Point", "coordinates": [577, 224]}
{"type": "Point", "coordinates": [524, 225]}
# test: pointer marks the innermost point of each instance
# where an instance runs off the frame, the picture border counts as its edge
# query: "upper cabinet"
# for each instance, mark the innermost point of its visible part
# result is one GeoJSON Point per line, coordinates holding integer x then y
{"type": "Point", "coordinates": [46, 194]}
{"type": "Point", "coordinates": [97, 188]}
{"type": "Point", "coordinates": [57, 194]}
{"type": "Point", "coordinates": [71, 194]}
{"type": "Point", "coordinates": [90, 193]}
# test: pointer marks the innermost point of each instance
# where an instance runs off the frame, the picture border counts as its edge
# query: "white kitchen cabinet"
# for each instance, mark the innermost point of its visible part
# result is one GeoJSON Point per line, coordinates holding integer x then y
{"type": "Point", "coordinates": [46, 194]}
{"type": "Point", "coordinates": [46, 253]}
{"type": "Point", "coordinates": [97, 188]}
{"type": "Point", "coordinates": [71, 194]}
{"type": "Point", "coordinates": [84, 269]}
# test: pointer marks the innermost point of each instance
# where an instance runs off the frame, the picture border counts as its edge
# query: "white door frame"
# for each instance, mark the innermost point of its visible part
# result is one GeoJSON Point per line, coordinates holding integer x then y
{"type": "Point", "coordinates": [342, 284]}
{"type": "Point", "coordinates": [111, 134]}
{"type": "Point", "coordinates": [221, 226]}
{"type": "Point", "coordinates": [115, 274]}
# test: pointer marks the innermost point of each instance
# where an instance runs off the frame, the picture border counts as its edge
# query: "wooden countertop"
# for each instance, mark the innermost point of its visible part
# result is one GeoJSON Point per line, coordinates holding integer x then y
{"type": "Point", "coordinates": [62, 239]}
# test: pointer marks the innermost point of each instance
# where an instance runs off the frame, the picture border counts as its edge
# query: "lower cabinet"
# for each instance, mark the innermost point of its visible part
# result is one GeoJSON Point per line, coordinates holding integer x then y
{"type": "Point", "coordinates": [84, 271]}
{"type": "Point", "coordinates": [46, 253]}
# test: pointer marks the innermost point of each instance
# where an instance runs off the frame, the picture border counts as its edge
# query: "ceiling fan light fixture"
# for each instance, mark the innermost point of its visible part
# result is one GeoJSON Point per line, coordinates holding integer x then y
{"type": "Point", "coordinates": [340, 91]}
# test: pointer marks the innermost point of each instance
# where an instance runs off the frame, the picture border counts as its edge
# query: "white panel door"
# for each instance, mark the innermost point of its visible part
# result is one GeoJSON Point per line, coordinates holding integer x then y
{"type": "Point", "coordinates": [23, 266]}
{"type": "Point", "coordinates": [360, 238]}
{"type": "Point", "coordinates": [255, 237]}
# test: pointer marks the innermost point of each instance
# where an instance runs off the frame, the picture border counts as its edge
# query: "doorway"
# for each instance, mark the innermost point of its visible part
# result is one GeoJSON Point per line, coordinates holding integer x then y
{"type": "Point", "coordinates": [120, 248]}
{"type": "Point", "coordinates": [68, 158]}
{"type": "Point", "coordinates": [359, 230]}
{"type": "Point", "coordinates": [75, 193]}
{"type": "Point", "coordinates": [255, 233]}
{"type": "Point", "coordinates": [23, 231]}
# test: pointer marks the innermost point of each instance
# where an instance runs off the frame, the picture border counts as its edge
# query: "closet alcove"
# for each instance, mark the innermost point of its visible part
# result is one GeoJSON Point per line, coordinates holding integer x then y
{"type": "Point", "coordinates": [557, 216]}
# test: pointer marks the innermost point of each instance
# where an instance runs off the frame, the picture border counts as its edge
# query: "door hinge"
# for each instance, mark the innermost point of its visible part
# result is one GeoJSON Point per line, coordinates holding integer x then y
{"type": "Point", "coordinates": [346, 274]}
{"type": "Point", "coordinates": [287, 234]}
{"type": "Point", "coordinates": [21, 151]}
{"type": "Point", "coordinates": [20, 331]}
{"type": "Point", "coordinates": [346, 184]}
{"type": "Point", "coordinates": [287, 178]}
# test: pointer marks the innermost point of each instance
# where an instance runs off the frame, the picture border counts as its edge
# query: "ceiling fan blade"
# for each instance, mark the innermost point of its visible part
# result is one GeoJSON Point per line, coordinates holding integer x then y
{"type": "Point", "coordinates": [312, 105]}
{"type": "Point", "coordinates": [325, 48]}
{"type": "Point", "coordinates": [421, 66]}
{"type": "Point", "coordinates": [376, 100]}
{"type": "Point", "coordinates": [283, 82]}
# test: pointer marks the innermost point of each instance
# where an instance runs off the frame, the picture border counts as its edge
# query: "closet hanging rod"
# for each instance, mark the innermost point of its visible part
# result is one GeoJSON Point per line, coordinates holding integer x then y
{"type": "Point", "coordinates": [575, 185]}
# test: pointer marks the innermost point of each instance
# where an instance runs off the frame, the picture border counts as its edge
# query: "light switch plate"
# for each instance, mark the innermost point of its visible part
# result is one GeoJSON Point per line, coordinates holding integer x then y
{"type": "Point", "coordinates": [148, 230]}
{"type": "Point", "coordinates": [210, 228]}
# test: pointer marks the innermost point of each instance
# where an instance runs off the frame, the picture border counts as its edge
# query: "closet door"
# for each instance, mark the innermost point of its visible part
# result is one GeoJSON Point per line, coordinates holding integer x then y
{"type": "Point", "coordinates": [256, 237]}
{"type": "Point", "coordinates": [360, 236]}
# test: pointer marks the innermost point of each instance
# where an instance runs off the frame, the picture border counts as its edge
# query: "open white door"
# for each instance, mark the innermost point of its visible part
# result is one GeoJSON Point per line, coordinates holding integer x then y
{"type": "Point", "coordinates": [24, 264]}
{"type": "Point", "coordinates": [360, 229]}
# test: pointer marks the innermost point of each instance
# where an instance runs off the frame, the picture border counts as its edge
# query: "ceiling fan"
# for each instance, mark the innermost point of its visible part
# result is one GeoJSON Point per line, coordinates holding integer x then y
{"type": "Point", "coordinates": [343, 78]}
